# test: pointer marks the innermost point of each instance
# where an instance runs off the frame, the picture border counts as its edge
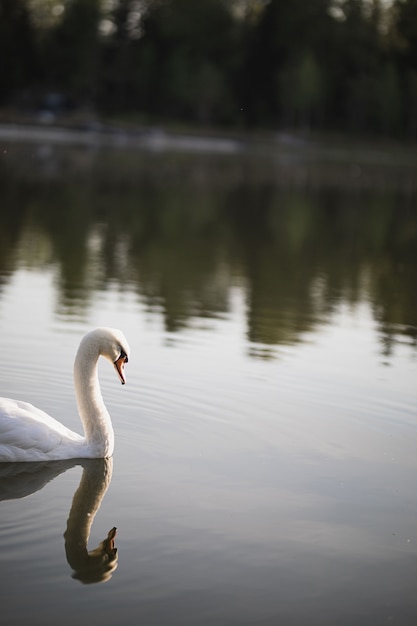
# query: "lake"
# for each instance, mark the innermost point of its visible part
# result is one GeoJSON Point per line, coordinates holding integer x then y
{"type": "Point", "coordinates": [265, 463]}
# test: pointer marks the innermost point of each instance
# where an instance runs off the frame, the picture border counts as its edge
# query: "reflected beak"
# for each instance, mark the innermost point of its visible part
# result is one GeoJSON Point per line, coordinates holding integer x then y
{"type": "Point", "coordinates": [119, 364]}
{"type": "Point", "coordinates": [108, 544]}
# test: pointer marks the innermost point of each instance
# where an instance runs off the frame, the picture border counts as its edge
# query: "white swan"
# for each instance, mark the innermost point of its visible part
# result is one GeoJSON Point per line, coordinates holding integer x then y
{"type": "Point", "coordinates": [29, 434]}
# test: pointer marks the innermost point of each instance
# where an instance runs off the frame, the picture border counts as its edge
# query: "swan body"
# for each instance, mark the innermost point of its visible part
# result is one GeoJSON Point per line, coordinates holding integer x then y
{"type": "Point", "coordinates": [29, 434]}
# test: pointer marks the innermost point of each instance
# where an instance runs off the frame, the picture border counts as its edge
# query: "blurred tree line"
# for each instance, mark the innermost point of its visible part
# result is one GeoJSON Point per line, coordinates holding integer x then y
{"type": "Point", "coordinates": [318, 64]}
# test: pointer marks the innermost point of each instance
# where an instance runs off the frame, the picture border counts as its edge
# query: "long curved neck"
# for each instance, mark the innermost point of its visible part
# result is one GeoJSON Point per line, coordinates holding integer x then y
{"type": "Point", "coordinates": [94, 483]}
{"type": "Point", "coordinates": [98, 429]}
{"type": "Point", "coordinates": [98, 564]}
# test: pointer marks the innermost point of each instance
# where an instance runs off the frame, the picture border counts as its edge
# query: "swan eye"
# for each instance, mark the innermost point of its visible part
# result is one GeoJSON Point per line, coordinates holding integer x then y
{"type": "Point", "coordinates": [123, 356]}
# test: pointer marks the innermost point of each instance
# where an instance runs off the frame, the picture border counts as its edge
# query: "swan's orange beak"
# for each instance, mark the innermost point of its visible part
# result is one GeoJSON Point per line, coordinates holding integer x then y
{"type": "Point", "coordinates": [119, 364]}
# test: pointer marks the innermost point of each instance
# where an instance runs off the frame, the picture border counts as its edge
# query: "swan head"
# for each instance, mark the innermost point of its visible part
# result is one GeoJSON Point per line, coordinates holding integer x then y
{"type": "Point", "coordinates": [112, 345]}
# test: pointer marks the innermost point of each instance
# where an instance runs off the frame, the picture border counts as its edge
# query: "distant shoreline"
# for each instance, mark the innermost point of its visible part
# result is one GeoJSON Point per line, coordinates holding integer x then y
{"type": "Point", "coordinates": [282, 144]}
{"type": "Point", "coordinates": [152, 139]}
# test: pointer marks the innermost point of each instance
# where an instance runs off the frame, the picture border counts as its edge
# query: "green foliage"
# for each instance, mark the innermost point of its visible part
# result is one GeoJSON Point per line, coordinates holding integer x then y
{"type": "Point", "coordinates": [71, 50]}
{"type": "Point", "coordinates": [302, 91]}
{"type": "Point", "coordinates": [406, 27]}
{"type": "Point", "coordinates": [17, 47]}
{"type": "Point", "coordinates": [388, 105]}
{"type": "Point", "coordinates": [321, 64]}
{"type": "Point", "coordinates": [190, 46]}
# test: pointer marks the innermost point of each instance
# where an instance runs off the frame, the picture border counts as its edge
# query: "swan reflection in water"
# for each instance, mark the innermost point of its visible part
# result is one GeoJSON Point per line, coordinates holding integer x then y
{"type": "Point", "coordinates": [18, 480]}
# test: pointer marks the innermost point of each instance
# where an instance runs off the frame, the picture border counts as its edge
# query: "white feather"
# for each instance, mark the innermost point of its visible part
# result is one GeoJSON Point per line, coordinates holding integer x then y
{"type": "Point", "coordinates": [29, 434]}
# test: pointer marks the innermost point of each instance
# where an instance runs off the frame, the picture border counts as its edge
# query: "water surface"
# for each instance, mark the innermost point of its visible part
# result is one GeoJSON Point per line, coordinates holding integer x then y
{"type": "Point", "coordinates": [265, 463]}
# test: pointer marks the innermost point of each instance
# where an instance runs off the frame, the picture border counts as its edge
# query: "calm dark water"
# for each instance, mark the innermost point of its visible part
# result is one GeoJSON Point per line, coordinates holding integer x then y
{"type": "Point", "coordinates": [265, 467]}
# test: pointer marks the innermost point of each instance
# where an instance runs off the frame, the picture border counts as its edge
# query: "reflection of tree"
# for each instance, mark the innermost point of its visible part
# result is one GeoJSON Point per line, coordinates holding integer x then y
{"type": "Point", "coordinates": [272, 239]}
{"type": "Point", "coordinates": [11, 217]}
{"type": "Point", "coordinates": [184, 280]}
{"type": "Point", "coordinates": [299, 244]}
{"type": "Point", "coordinates": [395, 299]}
